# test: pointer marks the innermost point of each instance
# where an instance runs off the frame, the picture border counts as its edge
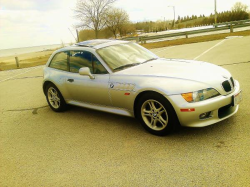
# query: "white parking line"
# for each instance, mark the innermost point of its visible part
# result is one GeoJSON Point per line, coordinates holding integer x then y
{"type": "Point", "coordinates": [209, 49]}
{"type": "Point", "coordinates": [29, 69]}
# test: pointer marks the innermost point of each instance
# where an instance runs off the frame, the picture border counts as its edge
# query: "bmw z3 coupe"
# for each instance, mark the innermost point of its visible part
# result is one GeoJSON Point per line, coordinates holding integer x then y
{"type": "Point", "coordinates": [124, 78]}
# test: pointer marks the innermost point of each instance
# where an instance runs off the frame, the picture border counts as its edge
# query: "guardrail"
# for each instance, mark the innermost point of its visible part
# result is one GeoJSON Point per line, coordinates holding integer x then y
{"type": "Point", "coordinates": [217, 27]}
{"type": "Point", "coordinates": [240, 22]}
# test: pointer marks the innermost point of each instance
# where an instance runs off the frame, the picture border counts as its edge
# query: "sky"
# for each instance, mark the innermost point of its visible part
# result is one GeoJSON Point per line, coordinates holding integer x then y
{"type": "Point", "coordinates": [26, 23]}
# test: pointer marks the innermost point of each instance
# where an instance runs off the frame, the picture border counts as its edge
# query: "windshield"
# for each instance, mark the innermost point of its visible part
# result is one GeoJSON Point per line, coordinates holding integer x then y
{"type": "Point", "coordinates": [122, 56]}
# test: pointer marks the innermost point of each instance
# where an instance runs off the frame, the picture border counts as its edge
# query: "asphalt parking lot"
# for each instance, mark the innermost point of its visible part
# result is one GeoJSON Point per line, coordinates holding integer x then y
{"type": "Point", "coordinates": [82, 147]}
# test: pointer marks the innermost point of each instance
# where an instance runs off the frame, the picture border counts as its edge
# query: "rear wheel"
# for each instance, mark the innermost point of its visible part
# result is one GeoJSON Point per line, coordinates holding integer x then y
{"type": "Point", "coordinates": [156, 114]}
{"type": "Point", "coordinates": [55, 99]}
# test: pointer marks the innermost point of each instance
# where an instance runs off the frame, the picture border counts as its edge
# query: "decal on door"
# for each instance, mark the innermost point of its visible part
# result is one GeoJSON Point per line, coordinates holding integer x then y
{"type": "Point", "coordinates": [122, 86]}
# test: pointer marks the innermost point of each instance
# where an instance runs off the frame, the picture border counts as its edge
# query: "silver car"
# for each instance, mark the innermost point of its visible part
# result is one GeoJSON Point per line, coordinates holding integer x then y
{"type": "Point", "coordinates": [124, 78]}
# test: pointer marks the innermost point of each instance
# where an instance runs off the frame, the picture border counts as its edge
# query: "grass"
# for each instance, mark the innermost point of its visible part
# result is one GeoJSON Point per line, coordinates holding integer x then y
{"type": "Point", "coordinates": [41, 60]}
{"type": "Point", "coordinates": [194, 39]}
{"type": "Point", "coordinates": [25, 63]}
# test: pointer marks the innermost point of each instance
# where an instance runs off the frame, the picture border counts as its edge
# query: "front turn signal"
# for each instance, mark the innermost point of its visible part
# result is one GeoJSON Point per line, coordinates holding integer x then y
{"type": "Point", "coordinates": [188, 96]}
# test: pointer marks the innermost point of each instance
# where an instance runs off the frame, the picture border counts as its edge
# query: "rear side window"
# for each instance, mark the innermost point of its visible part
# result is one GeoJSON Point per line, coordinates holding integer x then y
{"type": "Point", "coordinates": [60, 61]}
{"type": "Point", "coordinates": [79, 59]}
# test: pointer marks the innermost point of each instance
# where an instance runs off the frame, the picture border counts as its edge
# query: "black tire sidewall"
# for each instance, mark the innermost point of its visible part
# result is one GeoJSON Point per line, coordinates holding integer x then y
{"type": "Point", "coordinates": [172, 118]}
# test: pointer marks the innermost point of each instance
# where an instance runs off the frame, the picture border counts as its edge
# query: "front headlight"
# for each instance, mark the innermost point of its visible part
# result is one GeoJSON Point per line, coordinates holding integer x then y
{"type": "Point", "coordinates": [200, 95]}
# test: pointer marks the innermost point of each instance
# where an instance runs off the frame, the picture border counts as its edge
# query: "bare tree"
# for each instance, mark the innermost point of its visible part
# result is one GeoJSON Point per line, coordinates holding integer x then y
{"type": "Point", "coordinates": [238, 7]}
{"type": "Point", "coordinates": [116, 19]}
{"type": "Point", "coordinates": [92, 13]}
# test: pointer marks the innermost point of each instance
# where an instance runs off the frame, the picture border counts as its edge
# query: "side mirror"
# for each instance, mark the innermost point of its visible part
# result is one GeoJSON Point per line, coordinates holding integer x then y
{"type": "Point", "coordinates": [86, 71]}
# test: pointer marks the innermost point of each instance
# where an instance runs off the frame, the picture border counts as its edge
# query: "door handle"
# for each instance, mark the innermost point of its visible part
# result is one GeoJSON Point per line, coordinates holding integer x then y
{"type": "Point", "coordinates": [70, 80]}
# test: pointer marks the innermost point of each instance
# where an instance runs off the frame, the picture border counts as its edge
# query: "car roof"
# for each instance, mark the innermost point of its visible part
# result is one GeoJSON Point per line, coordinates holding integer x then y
{"type": "Point", "coordinates": [91, 44]}
{"type": "Point", "coordinates": [98, 43]}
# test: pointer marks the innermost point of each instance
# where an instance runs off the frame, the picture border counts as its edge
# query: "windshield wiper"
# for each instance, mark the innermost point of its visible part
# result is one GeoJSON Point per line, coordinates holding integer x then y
{"type": "Point", "coordinates": [149, 60]}
{"type": "Point", "coordinates": [126, 66]}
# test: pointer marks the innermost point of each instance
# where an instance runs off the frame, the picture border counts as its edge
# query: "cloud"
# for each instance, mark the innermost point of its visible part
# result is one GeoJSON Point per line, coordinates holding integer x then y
{"type": "Point", "coordinates": [27, 25]}
{"type": "Point", "coordinates": [17, 5]}
{"type": "Point", "coordinates": [41, 5]}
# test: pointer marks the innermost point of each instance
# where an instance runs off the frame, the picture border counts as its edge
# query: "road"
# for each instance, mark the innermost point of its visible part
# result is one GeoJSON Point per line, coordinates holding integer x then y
{"type": "Point", "coordinates": [82, 147]}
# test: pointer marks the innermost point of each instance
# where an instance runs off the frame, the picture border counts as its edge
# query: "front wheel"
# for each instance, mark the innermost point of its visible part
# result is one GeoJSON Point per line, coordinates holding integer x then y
{"type": "Point", "coordinates": [156, 114]}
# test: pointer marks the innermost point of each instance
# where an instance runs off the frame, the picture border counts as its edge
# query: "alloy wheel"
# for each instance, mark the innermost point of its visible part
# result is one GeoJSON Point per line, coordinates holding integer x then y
{"type": "Point", "coordinates": [154, 115]}
{"type": "Point", "coordinates": [54, 98]}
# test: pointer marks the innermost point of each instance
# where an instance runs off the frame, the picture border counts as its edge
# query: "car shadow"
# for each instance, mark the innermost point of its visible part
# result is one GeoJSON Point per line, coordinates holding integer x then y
{"type": "Point", "coordinates": [132, 125]}
{"type": "Point", "coordinates": [108, 119]}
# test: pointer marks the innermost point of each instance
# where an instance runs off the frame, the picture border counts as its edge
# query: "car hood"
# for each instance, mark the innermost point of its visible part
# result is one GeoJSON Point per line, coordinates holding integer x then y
{"type": "Point", "coordinates": [180, 69]}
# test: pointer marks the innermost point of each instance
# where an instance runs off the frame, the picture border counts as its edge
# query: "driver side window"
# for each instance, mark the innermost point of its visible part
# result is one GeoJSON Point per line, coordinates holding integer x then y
{"type": "Point", "coordinates": [97, 66]}
{"type": "Point", "coordinates": [79, 59]}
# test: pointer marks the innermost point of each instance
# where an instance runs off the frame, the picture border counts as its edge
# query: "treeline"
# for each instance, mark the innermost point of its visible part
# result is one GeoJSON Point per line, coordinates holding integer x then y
{"type": "Point", "coordinates": [190, 21]}
{"type": "Point", "coordinates": [152, 26]}
{"type": "Point", "coordinates": [226, 16]}
{"type": "Point", "coordinates": [128, 29]}
{"type": "Point", "coordinates": [187, 18]}
{"type": "Point", "coordinates": [232, 16]}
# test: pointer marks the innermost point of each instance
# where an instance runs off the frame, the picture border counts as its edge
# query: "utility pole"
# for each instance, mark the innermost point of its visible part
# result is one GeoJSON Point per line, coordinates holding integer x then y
{"type": "Point", "coordinates": [77, 34]}
{"type": "Point", "coordinates": [215, 13]}
{"type": "Point", "coordinates": [174, 15]}
{"type": "Point", "coordinates": [165, 24]}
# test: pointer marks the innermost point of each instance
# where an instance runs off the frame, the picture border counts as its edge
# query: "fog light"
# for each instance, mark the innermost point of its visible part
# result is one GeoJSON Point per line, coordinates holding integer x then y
{"type": "Point", "coordinates": [205, 115]}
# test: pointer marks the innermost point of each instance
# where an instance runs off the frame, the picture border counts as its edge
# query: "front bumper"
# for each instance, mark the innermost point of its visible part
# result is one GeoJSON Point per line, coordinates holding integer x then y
{"type": "Point", "coordinates": [220, 108]}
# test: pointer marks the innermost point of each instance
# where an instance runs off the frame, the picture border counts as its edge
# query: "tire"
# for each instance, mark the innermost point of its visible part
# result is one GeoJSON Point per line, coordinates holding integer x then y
{"type": "Point", "coordinates": [55, 98]}
{"type": "Point", "coordinates": [156, 114]}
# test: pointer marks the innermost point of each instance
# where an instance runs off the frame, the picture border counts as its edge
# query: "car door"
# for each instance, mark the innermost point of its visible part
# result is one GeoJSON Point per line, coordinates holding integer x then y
{"type": "Point", "coordinates": [82, 88]}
